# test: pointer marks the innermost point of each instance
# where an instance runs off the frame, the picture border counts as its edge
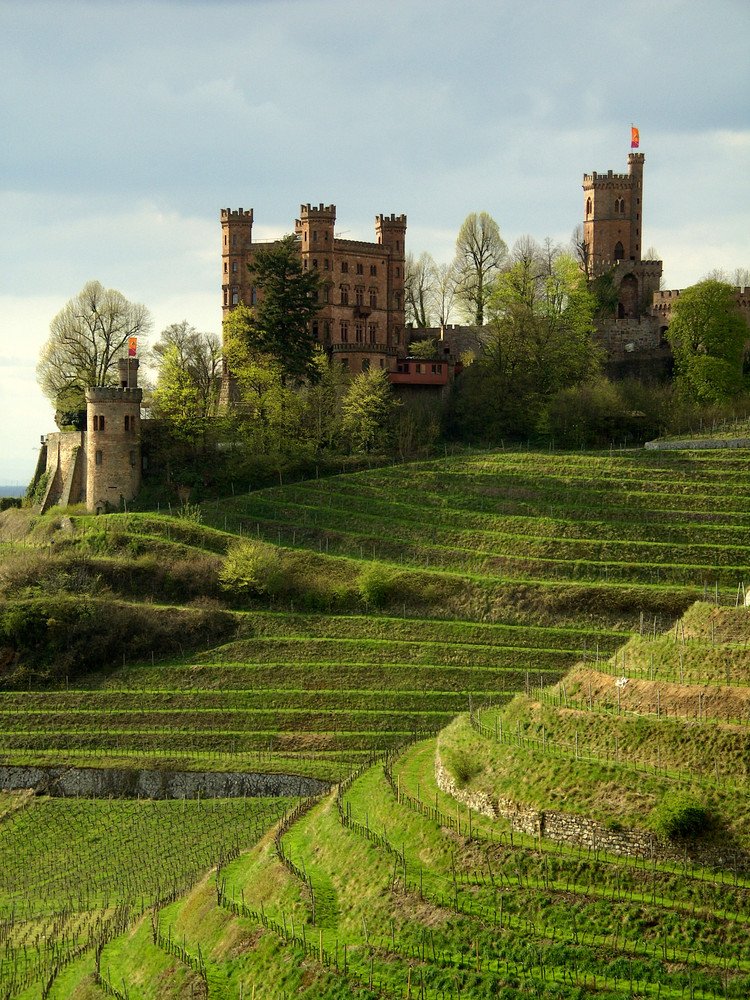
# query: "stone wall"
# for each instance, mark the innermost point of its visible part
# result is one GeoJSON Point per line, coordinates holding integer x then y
{"type": "Point", "coordinates": [579, 831]}
{"type": "Point", "coordinates": [92, 782]}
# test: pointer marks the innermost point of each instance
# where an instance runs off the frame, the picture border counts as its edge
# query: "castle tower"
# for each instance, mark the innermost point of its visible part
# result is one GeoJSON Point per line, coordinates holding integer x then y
{"type": "Point", "coordinates": [113, 440]}
{"type": "Point", "coordinates": [613, 211]}
{"type": "Point", "coordinates": [315, 228]}
{"type": "Point", "coordinates": [391, 233]}
{"type": "Point", "coordinates": [236, 240]}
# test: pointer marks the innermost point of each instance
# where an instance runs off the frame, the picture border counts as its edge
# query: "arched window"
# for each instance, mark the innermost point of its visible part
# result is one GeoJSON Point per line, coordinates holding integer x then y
{"type": "Point", "coordinates": [619, 251]}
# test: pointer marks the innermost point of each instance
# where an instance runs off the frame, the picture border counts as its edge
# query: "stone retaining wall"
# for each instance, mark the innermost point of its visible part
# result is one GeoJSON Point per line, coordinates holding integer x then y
{"type": "Point", "coordinates": [700, 445]}
{"type": "Point", "coordinates": [92, 782]}
{"type": "Point", "coordinates": [580, 831]}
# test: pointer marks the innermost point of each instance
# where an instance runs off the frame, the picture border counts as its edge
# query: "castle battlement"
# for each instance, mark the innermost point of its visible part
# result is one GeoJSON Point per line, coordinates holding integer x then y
{"type": "Point", "coordinates": [596, 178]}
{"type": "Point", "coordinates": [241, 215]}
{"type": "Point", "coordinates": [103, 394]}
{"type": "Point", "coordinates": [308, 211]}
{"type": "Point", "coordinates": [390, 221]}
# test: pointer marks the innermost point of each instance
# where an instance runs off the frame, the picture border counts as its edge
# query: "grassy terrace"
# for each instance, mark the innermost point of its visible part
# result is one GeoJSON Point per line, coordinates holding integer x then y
{"type": "Point", "coordinates": [521, 587]}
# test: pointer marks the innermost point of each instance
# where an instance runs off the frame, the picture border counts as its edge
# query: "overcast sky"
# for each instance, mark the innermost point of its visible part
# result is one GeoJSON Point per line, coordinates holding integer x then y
{"type": "Point", "coordinates": [128, 125]}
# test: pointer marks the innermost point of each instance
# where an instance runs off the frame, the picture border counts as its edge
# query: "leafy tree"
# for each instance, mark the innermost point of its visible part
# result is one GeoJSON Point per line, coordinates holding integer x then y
{"type": "Point", "coordinates": [188, 381]}
{"type": "Point", "coordinates": [541, 338]}
{"type": "Point", "coordinates": [368, 410]}
{"type": "Point", "coordinates": [86, 339]}
{"type": "Point", "coordinates": [480, 254]}
{"type": "Point", "coordinates": [426, 349]}
{"type": "Point", "coordinates": [279, 325]}
{"type": "Point", "coordinates": [322, 398]}
{"type": "Point", "coordinates": [708, 336]}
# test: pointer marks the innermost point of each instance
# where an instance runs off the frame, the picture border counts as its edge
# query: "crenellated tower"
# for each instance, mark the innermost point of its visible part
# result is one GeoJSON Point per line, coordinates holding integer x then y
{"type": "Point", "coordinates": [236, 241]}
{"type": "Point", "coordinates": [113, 440]}
{"type": "Point", "coordinates": [390, 231]}
{"type": "Point", "coordinates": [613, 211]}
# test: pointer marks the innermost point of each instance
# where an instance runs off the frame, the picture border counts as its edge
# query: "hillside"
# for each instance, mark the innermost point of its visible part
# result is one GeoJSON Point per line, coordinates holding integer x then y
{"type": "Point", "coordinates": [267, 635]}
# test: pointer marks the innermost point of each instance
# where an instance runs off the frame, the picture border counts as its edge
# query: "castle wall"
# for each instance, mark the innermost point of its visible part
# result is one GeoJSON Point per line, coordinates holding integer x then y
{"type": "Point", "coordinates": [66, 462]}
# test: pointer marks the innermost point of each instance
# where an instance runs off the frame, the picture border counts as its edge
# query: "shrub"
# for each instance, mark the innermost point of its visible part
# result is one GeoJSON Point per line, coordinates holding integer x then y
{"type": "Point", "coordinates": [680, 815]}
{"type": "Point", "coordinates": [375, 584]}
{"type": "Point", "coordinates": [252, 568]}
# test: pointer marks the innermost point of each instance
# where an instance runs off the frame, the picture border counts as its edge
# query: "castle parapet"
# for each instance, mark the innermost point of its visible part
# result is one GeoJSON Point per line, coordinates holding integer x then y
{"type": "Point", "coordinates": [103, 394]}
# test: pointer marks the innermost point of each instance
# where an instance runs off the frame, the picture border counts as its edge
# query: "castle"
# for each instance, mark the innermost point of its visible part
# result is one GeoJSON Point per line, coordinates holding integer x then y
{"type": "Point", "coordinates": [100, 465]}
{"type": "Point", "coordinates": [633, 336]}
{"type": "Point", "coordinates": [360, 322]}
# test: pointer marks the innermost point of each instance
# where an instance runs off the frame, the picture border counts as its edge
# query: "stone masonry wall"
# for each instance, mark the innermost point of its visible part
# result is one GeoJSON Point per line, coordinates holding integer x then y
{"type": "Point", "coordinates": [580, 831]}
{"type": "Point", "coordinates": [105, 782]}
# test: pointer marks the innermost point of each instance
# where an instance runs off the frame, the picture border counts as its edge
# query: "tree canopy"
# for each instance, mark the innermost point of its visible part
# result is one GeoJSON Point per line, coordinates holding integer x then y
{"type": "Point", "coordinates": [86, 339]}
{"type": "Point", "coordinates": [188, 380]}
{"type": "Point", "coordinates": [279, 324]}
{"type": "Point", "coordinates": [708, 336]}
{"type": "Point", "coordinates": [480, 254]}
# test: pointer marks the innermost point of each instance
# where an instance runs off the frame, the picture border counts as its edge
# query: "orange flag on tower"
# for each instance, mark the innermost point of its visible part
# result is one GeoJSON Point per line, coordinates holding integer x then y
{"type": "Point", "coordinates": [132, 343]}
{"type": "Point", "coordinates": [635, 139]}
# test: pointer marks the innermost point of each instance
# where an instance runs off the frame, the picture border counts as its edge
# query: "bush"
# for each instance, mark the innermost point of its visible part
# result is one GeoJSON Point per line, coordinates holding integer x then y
{"type": "Point", "coordinates": [252, 568]}
{"type": "Point", "coordinates": [375, 584]}
{"type": "Point", "coordinates": [680, 815]}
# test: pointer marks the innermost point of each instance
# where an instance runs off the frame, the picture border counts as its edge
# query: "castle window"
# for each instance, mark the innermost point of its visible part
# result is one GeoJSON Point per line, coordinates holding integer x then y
{"type": "Point", "coordinates": [359, 296]}
{"type": "Point", "coordinates": [226, 267]}
{"type": "Point", "coordinates": [315, 329]}
{"type": "Point", "coordinates": [326, 264]}
{"type": "Point", "coordinates": [418, 369]}
{"type": "Point", "coordinates": [315, 264]}
{"type": "Point", "coordinates": [619, 251]}
{"type": "Point", "coordinates": [365, 364]}
{"type": "Point", "coordinates": [344, 295]}
{"type": "Point", "coordinates": [344, 266]}
{"type": "Point", "coordinates": [98, 457]}
{"type": "Point", "coordinates": [235, 298]}
{"type": "Point", "coordinates": [373, 298]}
{"type": "Point", "coordinates": [325, 293]}
{"type": "Point", "coordinates": [234, 267]}
{"type": "Point", "coordinates": [99, 423]}
{"type": "Point", "coordinates": [588, 207]}
{"type": "Point", "coordinates": [344, 332]}
{"type": "Point", "coordinates": [397, 299]}
{"type": "Point", "coordinates": [360, 269]}
{"type": "Point", "coordinates": [315, 235]}
{"type": "Point", "coordinates": [127, 422]}
{"type": "Point", "coordinates": [345, 362]}
{"type": "Point", "coordinates": [359, 332]}
{"type": "Point", "coordinates": [373, 270]}
{"type": "Point", "coordinates": [372, 332]}
{"type": "Point", "coordinates": [226, 296]}
{"type": "Point", "coordinates": [304, 263]}
{"type": "Point", "coordinates": [253, 296]}
{"type": "Point", "coordinates": [395, 337]}
{"type": "Point", "coordinates": [327, 330]}
{"type": "Point", "coordinates": [381, 363]}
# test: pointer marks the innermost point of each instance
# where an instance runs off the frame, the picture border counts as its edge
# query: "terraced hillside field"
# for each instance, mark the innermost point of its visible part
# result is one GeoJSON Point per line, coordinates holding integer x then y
{"type": "Point", "coordinates": [398, 598]}
{"type": "Point", "coordinates": [642, 517]}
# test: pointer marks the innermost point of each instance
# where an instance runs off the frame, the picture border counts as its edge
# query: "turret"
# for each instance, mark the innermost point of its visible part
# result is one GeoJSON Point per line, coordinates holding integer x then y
{"type": "Point", "coordinates": [236, 240]}
{"type": "Point", "coordinates": [113, 440]}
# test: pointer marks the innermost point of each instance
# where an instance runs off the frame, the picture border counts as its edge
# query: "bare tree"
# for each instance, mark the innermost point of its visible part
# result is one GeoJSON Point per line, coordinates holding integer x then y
{"type": "Point", "coordinates": [418, 292]}
{"type": "Point", "coordinates": [86, 339]}
{"type": "Point", "coordinates": [444, 283]}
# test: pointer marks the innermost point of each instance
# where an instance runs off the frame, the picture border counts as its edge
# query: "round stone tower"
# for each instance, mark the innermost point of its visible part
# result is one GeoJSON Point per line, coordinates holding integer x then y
{"type": "Point", "coordinates": [113, 441]}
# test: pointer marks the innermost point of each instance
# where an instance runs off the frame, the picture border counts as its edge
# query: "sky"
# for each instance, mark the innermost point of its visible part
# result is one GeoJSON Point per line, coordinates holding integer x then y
{"type": "Point", "coordinates": [127, 125]}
